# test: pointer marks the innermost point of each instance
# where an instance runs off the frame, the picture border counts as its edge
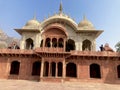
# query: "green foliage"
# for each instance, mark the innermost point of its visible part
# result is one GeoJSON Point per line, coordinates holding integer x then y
{"type": "Point", "coordinates": [117, 46]}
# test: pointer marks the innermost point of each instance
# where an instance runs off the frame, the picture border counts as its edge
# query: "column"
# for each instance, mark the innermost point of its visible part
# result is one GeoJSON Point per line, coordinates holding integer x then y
{"type": "Point", "coordinates": [56, 73]}
{"type": "Point", "coordinates": [49, 71]}
{"type": "Point", "coordinates": [51, 42]}
{"type": "Point", "coordinates": [80, 43]}
{"type": "Point", "coordinates": [42, 66]}
{"type": "Point", "coordinates": [64, 46]}
{"type": "Point", "coordinates": [8, 68]}
{"type": "Point", "coordinates": [64, 69]}
{"type": "Point", "coordinates": [77, 70]}
{"type": "Point", "coordinates": [44, 42]}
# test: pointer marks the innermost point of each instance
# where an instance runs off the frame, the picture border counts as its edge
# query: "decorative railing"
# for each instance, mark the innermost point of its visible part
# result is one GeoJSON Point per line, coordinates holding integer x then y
{"type": "Point", "coordinates": [46, 49]}
{"type": "Point", "coordinates": [95, 53]}
{"type": "Point", "coordinates": [15, 51]}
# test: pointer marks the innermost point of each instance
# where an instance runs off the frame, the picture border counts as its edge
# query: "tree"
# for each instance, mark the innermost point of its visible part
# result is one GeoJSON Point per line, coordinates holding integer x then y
{"type": "Point", "coordinates": [117, 46]}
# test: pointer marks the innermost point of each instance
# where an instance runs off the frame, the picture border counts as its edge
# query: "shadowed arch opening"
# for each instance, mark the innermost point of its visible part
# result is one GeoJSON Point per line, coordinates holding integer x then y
{"type": "Point", "coordinates": [118, 71]}
{"type": "Point", "coordinates": [54, 42]}
{"type": "Point", "coordinates": [60, 65]}
{"type": "Point", "coordinates": [29, 43]}
{"type": "Point", "coordinates": [15, 65]}
{"type": "Point", "coordinates": [41, 44]}
{"type": "Point", "coordinates": [46, 68]}
{"type": "Point", "coordinates": [36, 68]}
{"type": "Point", "coordinates": [70, 45]}
{"type": "Point", "coordinates": [71, 70]}
{"type": "Point", "coordinates": [47, 43]}
{"type": "Point", "coordinates": [60, 43]}
{"type": "Point", "coordinates": [95, 71]}
{"type": "Point", "coordinates": [53, 68]}
{"type": "Point", "coordinates": [86, 46]}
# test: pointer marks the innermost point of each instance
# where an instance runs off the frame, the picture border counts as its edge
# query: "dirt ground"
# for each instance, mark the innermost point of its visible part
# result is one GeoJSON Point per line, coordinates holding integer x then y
{"type": "Point", "coordinates": [33, 85]}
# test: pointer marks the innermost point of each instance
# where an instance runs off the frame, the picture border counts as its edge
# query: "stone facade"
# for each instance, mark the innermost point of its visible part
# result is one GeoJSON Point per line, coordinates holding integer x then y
{"type": "Point", "coordinates": [58, 49]}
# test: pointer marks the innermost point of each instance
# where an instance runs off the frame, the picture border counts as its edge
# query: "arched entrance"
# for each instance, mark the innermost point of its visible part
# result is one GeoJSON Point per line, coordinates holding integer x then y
{"type": "Point", "coordinates": [47, 43]}
{"type": "Point", "coordinates": [60, 69]}
{"type": "Point", "coordinates": [60, 43]}
{"type": "Point", "coordinates": [29, 43]}
{"type": "Point", "coordinates": [71, 70]}
{"type": "Point", "coordinates": [41, 44]}
{"type": "Point", "coordinates": [46, 69]}
{"type": "Point", "coordinates": [86, 46]}
{"type": "Point", "coordinates": [118, 71]}
{"type": "Point", "coordinates": [70, 45]}
{"type": "Point", "coordinates": [15, 65]}
{"type": "Point", "coordinates": [54, 42]}
{"type": "Point", "coordinates": [95, 71]}
{"type": "Point", "coordinates": [53, 68]}
{"type": "Point", "coordinates": [36, 68]}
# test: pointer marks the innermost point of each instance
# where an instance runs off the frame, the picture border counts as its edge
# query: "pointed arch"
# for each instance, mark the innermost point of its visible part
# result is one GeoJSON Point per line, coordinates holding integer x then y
{"type": "Point", "coordinates": [118, 71]}
{"type": "Point", "coordinates": [47, 42]}
{"type": "Point", "coordinates": [46, 68]}
{"type": "Point", "coordinates": [60, 43]}
{"type": "Point", "coordinates": [95, 71]}
{"type": "Point", "coordinates": [86, 45]}
{"type": "Point", "coordinates": [41, 44]}
{"type": "Point", "coordinates": [70, 45]}
{"type": "Point", "coordinates": [15, 66]}
{"type": "Point", "coordinates": [53, 68]}
{"type": "Point", "coordinates": [36, 68]}
{"type": "Point", "coordinates": [54, 42]}
{"type": "Point", "coordinates": [60, 65]}
{"type": "Point", "coordinates": [29, 43]}
{"type": "Point", "coordinates": [71, 70]}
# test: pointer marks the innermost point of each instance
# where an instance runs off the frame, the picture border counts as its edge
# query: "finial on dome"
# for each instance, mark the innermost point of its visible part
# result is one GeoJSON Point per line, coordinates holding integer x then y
{"type": "Point", "coordinates": [34, 17]}
{"type": "Point", "coordinates": [84, 17]}
{"type": "Point", "coordinates": [60, 8]}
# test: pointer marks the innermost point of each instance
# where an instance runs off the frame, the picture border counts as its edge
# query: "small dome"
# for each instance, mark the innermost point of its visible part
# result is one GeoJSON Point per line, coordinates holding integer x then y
{"type": "Point", "coordinates": [32, 22]}
{"type": "Point", "coordinates": [85, 24]}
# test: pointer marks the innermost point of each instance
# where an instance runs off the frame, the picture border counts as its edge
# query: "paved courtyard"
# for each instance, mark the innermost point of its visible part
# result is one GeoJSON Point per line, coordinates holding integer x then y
{"type": "Point", "coordinates": [32, 85]}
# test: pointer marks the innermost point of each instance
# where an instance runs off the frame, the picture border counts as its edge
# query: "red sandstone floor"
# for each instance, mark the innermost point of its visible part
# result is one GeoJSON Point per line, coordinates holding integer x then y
{"type": "Point", "coordinates": [32, 85]}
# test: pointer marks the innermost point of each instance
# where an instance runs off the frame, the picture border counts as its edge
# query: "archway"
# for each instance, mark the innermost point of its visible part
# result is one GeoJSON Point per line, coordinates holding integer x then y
{"type": "Point", "coordinates": [60, 65]}
{"type": "Point", "coordinates": [46, 69]}
{"type": "Point", "coordinates": [70, 45]}
{"type": "Point", "coordinates": [60, 43]}
{"type": "Point", "coordinates": [54, 42]}
{"type": "Point", "coordinates": [53, 68]}
{"type": "Point", "coordinates": [95, 71]}
{"type": "Point", "coordinates": [118, 71]}
{"type": "Point", "coordinates": [71, 70]}
{"type": "Point", "coordinates": [47, 43]}
{"type": "Point", "coordinates": [36, 68]}
{"type": "Point", "coordinates": [86, 45]}
{"type": "Point", "coordinates": [15, 65]}
{"type": "Point", "coordinates": [29, 43]}
{"type": "Point", "coordinates": [41, 44]}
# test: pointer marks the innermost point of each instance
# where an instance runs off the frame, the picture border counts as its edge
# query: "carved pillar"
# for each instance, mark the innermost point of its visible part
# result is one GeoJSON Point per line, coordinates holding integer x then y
{"type": "Point", "coordinates": [64, 69]}
{"type": "Point", "coordinates": [49, 71]}
{"type": "Point", "coordinates": [42, 66]}
{"type": "Point", "coordinates": [56, 75]}
{"type": "Point", "coordinates": [77, 70]}
{"type": "Point", "coordinates": [51, 42]}
{"type": "Point", "coordinates": [64, 46]}
{"type": "Point", "coordinates": [80, 43]}
{"type": "Point", "coordinates": [44, 40]}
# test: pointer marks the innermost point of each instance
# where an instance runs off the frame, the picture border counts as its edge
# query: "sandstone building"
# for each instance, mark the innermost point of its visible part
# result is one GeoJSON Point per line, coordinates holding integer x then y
{"type": "Point", "coordinates": [59, 49]}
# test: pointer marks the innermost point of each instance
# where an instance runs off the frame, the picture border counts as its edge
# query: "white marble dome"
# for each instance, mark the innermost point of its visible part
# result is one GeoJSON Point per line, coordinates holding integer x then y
{"type": "Point", "coordinates": [86, 24]}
